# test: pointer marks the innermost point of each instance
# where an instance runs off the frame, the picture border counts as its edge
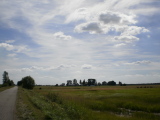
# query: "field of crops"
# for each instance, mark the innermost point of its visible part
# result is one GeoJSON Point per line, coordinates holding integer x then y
{"type": "Point", "coordinates": [91, 103]}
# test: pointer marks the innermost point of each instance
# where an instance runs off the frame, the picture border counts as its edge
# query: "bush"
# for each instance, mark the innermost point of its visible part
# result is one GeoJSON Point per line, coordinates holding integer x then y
{"type": "Point", "coordinates": [28, 82]}
{"type": "Point", "coordinates": [111, 83]}
{"type": "Point", "coordinates": [19, 83]}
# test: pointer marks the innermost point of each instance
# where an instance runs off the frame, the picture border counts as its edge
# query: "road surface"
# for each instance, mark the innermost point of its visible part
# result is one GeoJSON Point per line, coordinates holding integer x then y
{"type": "Point", "coordinates": [7, 103]}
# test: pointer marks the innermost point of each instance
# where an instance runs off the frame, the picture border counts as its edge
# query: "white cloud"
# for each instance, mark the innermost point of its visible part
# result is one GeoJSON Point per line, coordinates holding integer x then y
{"type": "Point", "coordinates": [146, 9]}
{"type": "Point", "coordinates": [62, 66]}
{"type": "Point", "coordinates": [50, 25]}
{"type": "Point", "coordinates": [78, 14]}
{"type": "Point", "coordinates": [87, 66]}
{"type": "Point", "coordinates": [87, 10]}
{"type": "Point", "coordinates": [131, 30]}
{"type": "Point", "coordinates": [7, 46]}
{"type": "Point", "coordinates": [22, 48]}
{"type": "Point", "coordinates": [36, 68]}
{"type": "Point", "coordinates": [10, 47]}
{"type": "Point", "coordinates": [60, 35]}
{"type": "Point", "coordinates": [120, 45]}
{"type": "Point", "coordinates": [26, 70]}
{"type": "Point", "coordinates": [127, 39]}
{"type": "Point", "coordinates": [39, 68]}
{"type": "Point", "coordinates": [91, 27]}
{"type": "Point", "coordinates": [109, 17]}
{"type": "Point", "coordinates": [107, 21]}
{"type": "Point", "coordinates": [143, 62]}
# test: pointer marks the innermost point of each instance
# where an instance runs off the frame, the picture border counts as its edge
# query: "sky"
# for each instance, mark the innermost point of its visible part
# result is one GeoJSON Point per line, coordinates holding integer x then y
{"type": "Point", "coordinates": [58, 40]}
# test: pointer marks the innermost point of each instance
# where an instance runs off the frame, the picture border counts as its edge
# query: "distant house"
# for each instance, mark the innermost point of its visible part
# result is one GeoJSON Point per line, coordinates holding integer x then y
{"type": "Point", "coordinates": [92, 82]}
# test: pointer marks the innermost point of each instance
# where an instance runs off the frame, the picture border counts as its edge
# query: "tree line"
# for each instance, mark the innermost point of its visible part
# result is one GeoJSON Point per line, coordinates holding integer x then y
{"type": "Point", "coordinates": [26, 82]}
{"type": "Point", "coordinates": [6, 81]}
{"type": "Point", "coordinates": [90, 82]}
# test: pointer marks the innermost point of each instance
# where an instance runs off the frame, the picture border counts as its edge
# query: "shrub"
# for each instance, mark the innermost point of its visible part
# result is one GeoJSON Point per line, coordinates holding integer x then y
{"type": "Point", "coordinates": [19, 83]}
{"type": "Point", "coordinates": [111, 83]}
{"type": "Point", "coordinates": [28, 82]}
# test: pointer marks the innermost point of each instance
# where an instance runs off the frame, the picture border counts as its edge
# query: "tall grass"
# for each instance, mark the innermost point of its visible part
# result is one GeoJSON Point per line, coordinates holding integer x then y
{"type": "Point", "coordinates": [51, 110]}
{"type": "Point", "coordinates": [54, 107]}
{"type": "Point", "coordinates": [97, 103]}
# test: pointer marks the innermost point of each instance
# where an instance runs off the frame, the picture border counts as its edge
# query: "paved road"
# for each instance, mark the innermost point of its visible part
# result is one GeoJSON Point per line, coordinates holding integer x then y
{"type": "Point", "coordinates": [7, 103]}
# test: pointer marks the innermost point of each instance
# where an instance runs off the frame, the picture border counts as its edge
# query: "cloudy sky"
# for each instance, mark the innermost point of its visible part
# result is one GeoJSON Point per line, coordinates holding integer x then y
{"type": "Point", "coordinates": [58, 40]}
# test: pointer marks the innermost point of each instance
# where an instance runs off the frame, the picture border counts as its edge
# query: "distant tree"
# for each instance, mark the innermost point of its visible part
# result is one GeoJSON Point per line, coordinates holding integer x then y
{"type": "Point", "coordinates": [80, 82]}
{"type": "Point", "coordinates": [92, 82]}
{"type": "Point", "coordinates": [104, 83]}
{"type": "Point", "coordinates": [69, 83]}
{"type": "Point", "coordinates": [89, 82]}
{"type": "Point", "coordinates": [74, 82]}
{"type": "Point", "coordinates": [124, 84]}
{"type": "Point", "coordinates": [84, 82]}
{"type": "Point", "coordinates": [120, 83]}
{"type": "Point", "coordinates": [10, 83]}
{"type": "Point", "coordinates": [19, 83]}
{"type": "Point", "coordinates": [111, 83]}
{"type": "Point", "coordinates": [6, 80]}
{"type": "Point", "coordinates": [99, 84]}
{"type": "Point", "coordinates": [5, 77]}
{"type": "Point", "coordinates": [28, 82]}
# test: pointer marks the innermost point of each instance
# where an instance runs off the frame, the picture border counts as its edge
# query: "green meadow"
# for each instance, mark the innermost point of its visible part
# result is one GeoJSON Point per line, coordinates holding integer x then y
{"type": "Point", "coordinates": [89, 103]}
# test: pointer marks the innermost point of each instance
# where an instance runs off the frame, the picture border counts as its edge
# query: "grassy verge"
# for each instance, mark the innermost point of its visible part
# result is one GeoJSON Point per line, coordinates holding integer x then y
{"type": "Point", "coordinates": [5, 88]}
{"type": "Point", "coordinates": [24, 107]}
{"type": "Point", "coordinates": [90, 103]}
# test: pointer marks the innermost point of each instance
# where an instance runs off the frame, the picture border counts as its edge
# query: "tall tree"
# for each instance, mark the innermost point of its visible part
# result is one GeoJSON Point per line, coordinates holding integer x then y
{"type": "Point", "coordinates": [80, 82]}
{"type": "Point", "coordinates": [6, 80]}
{"type": "Point", "coordinates": [84, 82]}
{"type": "Point", "coordinates": [5, 77]}
{"type": "Point", "coordinates": [120, 83]}
{"type": "Point", "coordinates": [74, 82]}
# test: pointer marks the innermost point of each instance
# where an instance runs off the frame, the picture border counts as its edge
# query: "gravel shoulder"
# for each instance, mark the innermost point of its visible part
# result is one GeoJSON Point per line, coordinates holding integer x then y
{"type": "Point", "coordinates": [8, 103]}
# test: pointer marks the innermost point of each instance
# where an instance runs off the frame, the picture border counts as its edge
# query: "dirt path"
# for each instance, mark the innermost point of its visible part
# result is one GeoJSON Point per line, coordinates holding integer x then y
{"type": "Point", "coordinates": [7, 103]}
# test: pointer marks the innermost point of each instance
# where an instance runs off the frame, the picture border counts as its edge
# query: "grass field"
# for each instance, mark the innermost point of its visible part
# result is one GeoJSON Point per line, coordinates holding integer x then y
{"type": "Point", "coordinates": [90, 103]}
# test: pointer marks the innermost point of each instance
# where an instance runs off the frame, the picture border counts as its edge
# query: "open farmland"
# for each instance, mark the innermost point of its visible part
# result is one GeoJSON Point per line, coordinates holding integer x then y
{"type": "Point", "coordinates": [90, 103]}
